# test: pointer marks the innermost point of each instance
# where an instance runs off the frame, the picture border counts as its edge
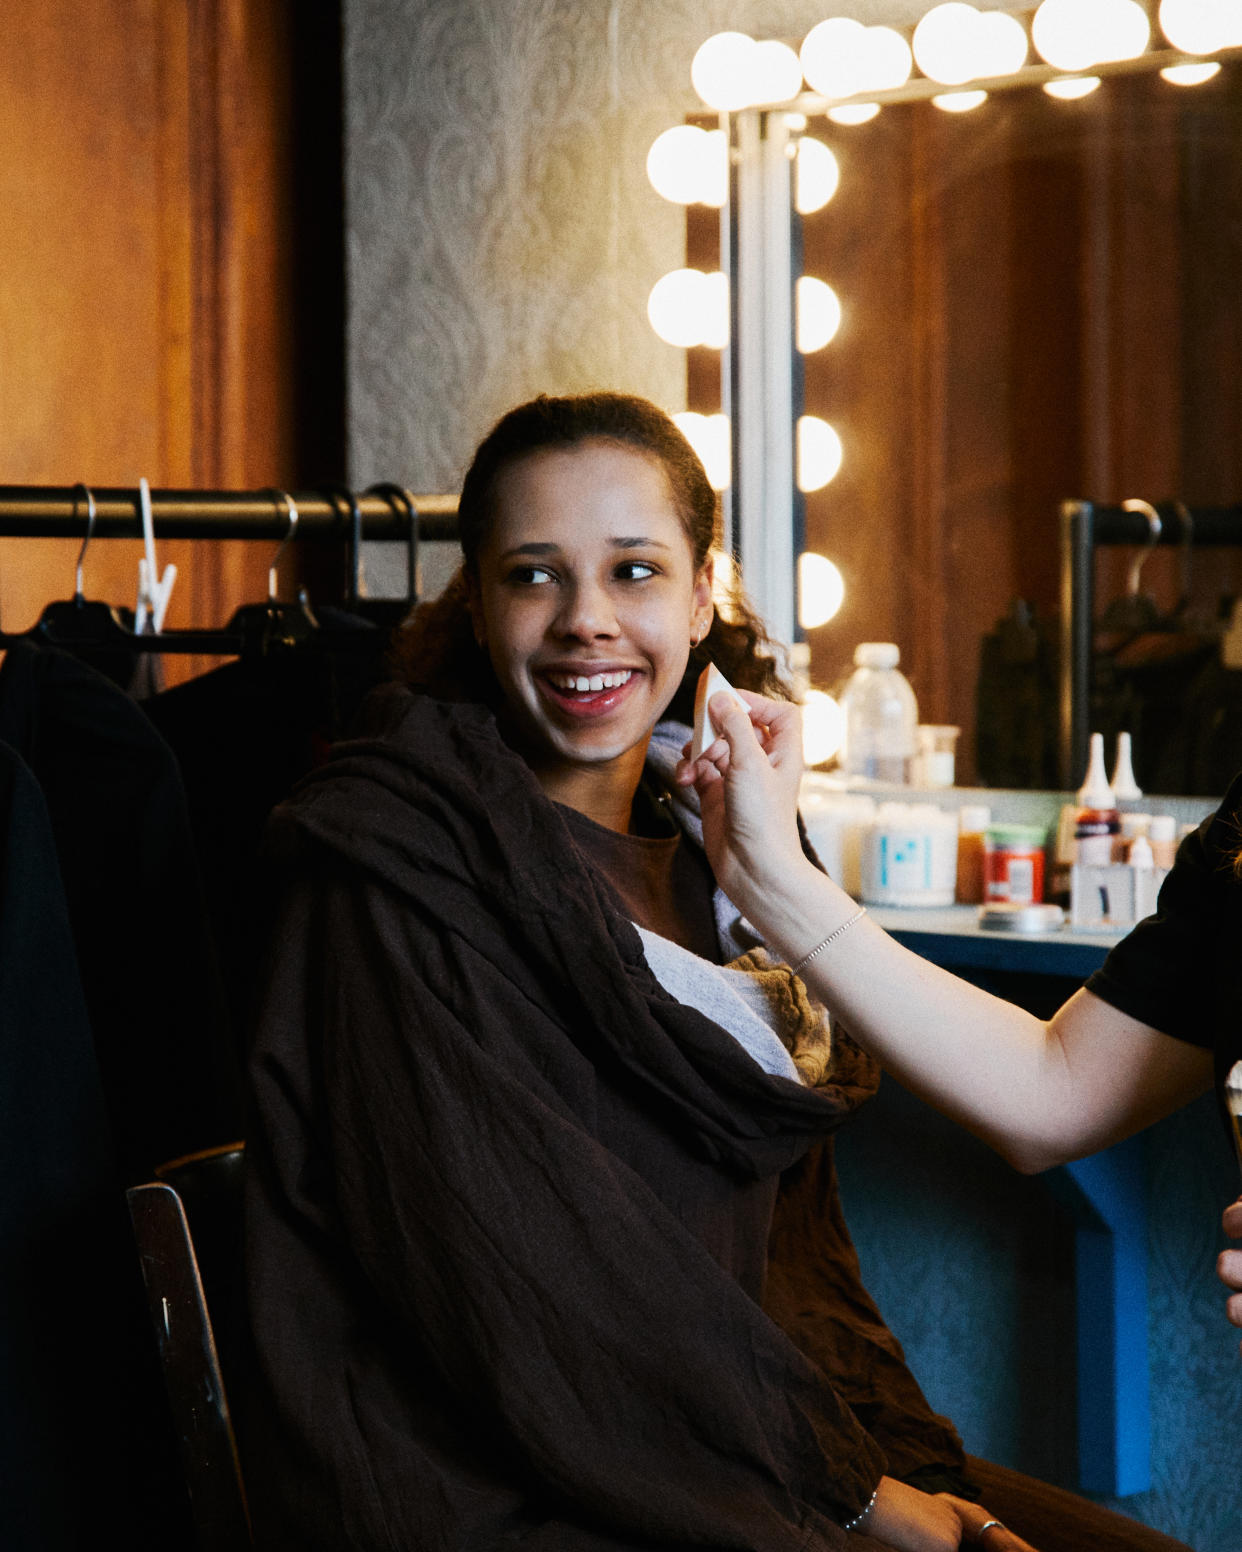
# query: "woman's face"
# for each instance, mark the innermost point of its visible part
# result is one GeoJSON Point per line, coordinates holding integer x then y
{"type": "Point", "coordinates": [587, 598]}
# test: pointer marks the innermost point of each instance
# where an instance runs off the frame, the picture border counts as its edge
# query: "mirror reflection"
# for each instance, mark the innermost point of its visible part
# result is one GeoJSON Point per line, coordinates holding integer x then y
{"type": "Point", "coordinates": [1039, 302]}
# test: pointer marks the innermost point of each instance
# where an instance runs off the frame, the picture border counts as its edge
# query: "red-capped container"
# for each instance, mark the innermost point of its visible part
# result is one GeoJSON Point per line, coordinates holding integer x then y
{"type": "Point", "coordinates": [1013, 864]}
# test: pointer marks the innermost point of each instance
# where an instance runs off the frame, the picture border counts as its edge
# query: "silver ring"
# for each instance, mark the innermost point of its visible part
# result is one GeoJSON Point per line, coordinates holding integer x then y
{"type": "Point", "coordinates": [986, 1526]}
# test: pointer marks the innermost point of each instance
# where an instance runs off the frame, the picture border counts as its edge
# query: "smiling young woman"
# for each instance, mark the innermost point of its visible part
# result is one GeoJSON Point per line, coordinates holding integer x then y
{"type": "Point", "coordinates": [586, 596]}
{"type": "Point", "coordinates": [526, 1085]}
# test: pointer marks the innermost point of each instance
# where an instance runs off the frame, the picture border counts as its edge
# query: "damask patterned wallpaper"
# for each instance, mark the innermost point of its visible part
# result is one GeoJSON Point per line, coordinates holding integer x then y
{"type": "Point", "coordinates": [502, 233]}
{"type": "Point", "coordinates": [502, 241]}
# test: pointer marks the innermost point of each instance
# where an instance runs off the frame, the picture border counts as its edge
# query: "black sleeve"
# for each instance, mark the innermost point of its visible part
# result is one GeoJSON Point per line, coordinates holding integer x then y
{"type": "Point", "coordinates": [1161, 973]}
{"type": "Point", "coordinates": [550, 1288]}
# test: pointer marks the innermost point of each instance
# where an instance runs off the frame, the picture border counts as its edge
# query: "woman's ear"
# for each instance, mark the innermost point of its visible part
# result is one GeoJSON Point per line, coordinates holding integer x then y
{"type": "Point", "coordinates": [702, 609]}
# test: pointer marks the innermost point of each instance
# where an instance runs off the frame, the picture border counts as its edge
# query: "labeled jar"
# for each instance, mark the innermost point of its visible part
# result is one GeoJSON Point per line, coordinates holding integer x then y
{"type": "Point", "coordinates": [1013, 864]}
{"type": "Point", "coordinates": [909, 856]}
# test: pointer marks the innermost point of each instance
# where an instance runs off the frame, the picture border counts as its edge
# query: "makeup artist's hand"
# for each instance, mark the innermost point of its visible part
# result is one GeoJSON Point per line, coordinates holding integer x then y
{"type": "Point", "coordinates": [747, 781]}
{"type": "Point", "coordinates": [1229, 1263]}
{"type": "Point", "coordinates": [910, 1521]}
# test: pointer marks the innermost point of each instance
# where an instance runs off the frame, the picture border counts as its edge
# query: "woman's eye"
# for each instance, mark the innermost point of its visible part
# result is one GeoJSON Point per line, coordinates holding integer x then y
{"type": "Point", "coordinates": [530, 576]}
{"type": "Point", "coordinates": [635, 570]}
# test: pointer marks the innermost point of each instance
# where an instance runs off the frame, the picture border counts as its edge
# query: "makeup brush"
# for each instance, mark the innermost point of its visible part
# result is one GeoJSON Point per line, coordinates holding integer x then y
{"type": "Point", "coordinates": [1233, 1103]}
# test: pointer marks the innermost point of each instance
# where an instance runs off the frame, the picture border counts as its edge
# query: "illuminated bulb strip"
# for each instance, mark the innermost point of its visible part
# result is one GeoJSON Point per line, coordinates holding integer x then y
{"type": "Point", "coordinates": [1191, 75]}
{"type": "Point", "coordinates": [959, 102]}
{"type": "Point", "coordinates": [819, 453]}
{"type": "Point", "coordinates": [1201, 26]}
{"type": "Point", "coordinates": [823, 727]}
{"type": "Point", "coordinates": [854, 113]}
{"type": "Point", "coordinates": [708, 435]}
{"type": "Point", "coordinates": [688, 308]}
{"type": "Point", "coordinates": [821, 590]}
{"type": "Point", "coordinates": [816, 175]}
{"type": "Point", "coordinates": [1070, 88]}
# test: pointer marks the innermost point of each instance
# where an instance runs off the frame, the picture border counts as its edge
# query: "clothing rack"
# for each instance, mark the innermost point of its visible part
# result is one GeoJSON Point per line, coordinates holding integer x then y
{"type": "Point", "coordinates": [382, 512]}
{"type": "Point", "coordinates": [1084, 526]}
{"type": "Point", "coordinates": [58, 512]}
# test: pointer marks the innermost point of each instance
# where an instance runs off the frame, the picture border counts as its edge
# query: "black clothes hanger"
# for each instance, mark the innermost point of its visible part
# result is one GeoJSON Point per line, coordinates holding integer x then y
{"type": "Point", "coordinates": [78, 621]}
{"type": "Point", "coordinates": [262, 629]}
{"type": "Point", "coordinates": [397, 495]}
{"type": "Point", "coordinates": [386, 613]}
{"type": "Point", "coordinates": [1135, 611]}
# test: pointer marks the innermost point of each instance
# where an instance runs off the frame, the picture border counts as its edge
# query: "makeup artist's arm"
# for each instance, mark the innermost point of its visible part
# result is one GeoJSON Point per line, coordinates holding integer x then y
{"type": "Point", "coordinates": [1040, 1093]}
{"type": "Point", "coordinates": [1229, 1265]}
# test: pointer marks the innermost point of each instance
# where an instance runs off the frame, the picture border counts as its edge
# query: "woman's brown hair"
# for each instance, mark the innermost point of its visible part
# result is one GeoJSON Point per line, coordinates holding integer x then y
{"type": "Point", "coordinates": [436, 649]}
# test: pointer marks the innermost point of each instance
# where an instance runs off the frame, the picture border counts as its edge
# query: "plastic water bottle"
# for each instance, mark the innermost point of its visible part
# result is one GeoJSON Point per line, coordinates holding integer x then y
{"type": "Point", "coordinates": [881, 716]}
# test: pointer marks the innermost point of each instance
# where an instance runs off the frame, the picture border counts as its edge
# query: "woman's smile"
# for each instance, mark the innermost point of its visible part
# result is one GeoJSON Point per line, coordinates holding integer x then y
{"type": "Point", "coordinates": [586, 691]}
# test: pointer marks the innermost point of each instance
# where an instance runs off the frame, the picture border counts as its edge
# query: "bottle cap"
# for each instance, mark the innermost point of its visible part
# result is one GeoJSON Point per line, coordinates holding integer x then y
{"type": "Point", "coordinates": [877, 654]}
{"type": "Point", "coordinates": [1163, 827]}
{"type": "Point", "coordinates": [1125, 788]}
{"type": "Point", "coordinates": [973, 818]}
{"type": "Point", "coordinates": [1140, 853]}
{"type": "Point", "coordinates": [1023, 835]}
{"type": "Point", "coordinates": [1095, 792]}
{"type": "Point", "coordinates": [1136, 824]}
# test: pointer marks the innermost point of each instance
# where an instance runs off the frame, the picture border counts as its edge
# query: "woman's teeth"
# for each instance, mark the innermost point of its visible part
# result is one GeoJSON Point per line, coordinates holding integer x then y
{"type": "Point", "coordinates": [582, 684]}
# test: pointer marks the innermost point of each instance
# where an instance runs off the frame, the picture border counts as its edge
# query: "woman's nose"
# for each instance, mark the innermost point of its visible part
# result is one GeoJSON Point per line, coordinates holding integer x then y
{"type": "Point", "coordinates": [586, 613]}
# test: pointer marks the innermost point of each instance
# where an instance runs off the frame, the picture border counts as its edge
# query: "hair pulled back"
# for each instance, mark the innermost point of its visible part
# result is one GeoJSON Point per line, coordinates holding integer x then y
{"type": "Point", "coordinates": [436, 650]}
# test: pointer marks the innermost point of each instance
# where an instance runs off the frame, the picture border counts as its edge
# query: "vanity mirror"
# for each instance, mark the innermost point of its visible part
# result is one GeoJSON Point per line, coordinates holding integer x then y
{"type": "Point", "coordinates": [1040, 301]}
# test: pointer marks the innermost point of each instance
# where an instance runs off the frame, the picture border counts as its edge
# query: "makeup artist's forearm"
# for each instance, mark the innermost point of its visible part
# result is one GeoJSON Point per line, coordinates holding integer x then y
{"type": "Point", "coordinates": [1019, 1084]}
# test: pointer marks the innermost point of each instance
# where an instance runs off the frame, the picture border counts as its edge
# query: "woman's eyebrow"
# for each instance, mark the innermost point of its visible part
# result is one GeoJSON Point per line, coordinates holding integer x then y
{"type": "Point", "coordinates": [530, 549]}
{"type": "Point", "coordinates": [639, 543]}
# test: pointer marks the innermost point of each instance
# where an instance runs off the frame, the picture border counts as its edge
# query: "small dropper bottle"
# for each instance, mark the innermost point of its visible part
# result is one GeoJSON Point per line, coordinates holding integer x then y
{"type": "Point", "coordinates": [1098, 821]}
{"type": "Point", "coordinates": [1125, 788]}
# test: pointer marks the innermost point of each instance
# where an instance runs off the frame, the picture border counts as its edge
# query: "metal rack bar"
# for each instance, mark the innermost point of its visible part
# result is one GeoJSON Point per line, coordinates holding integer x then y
{"type": "Point", "coordinates": [1084, 526]}
{"type": "Point", "coordinates": [51, 512]}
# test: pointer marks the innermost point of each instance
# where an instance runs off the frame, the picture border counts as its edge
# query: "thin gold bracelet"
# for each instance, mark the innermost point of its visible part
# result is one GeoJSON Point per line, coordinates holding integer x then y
{"type": "Point", "coordinates": [831, 938]}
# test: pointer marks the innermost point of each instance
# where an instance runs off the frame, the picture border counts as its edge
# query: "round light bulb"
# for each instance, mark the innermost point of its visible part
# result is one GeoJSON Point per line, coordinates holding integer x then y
{"type": "Point", "coordinates": [816, 175]}
{"type": "Point", "coordinates": [823, 727]}
{"type": "Point", "coordinates": [1070, 88]}
{"type": "Point", "coordinates": [854, 113]}
{"type": "Point", "coordinates": [821, 590]}
{"type": "Point", "coordinates": [1195, 26]}
{"type": "Point", "coordinates": [676, 164]}
{"type": "Point", "coordinates": [1124, 31]}
{"type": "Point", "coordinates": [688, 308]}
{"type": "Point", "coordinates": [776, 72]}
{"type": "Point", "coordinates": [1073, 34]}
{"type": "Point", "coordinates": [819, 453]}
{"type": "Point", "coordinates": [885, 60]}
{"type": "Point", "coordinates": [722, 71]}
{"type": "Point", "coordinates": [818, 312]}
{"type": "Point", "coordinates": [959, 102]}
{"type": "Point", "coordinates": [709, 436]}
{"type": "Point", "coordinates": [832, 56]}
{"type": "Point", "coordinates": [944, 43]}
{"type": "Point", "coordinates": [999, 46]}
{"type": "Point", "coordinates": [1191, 75]}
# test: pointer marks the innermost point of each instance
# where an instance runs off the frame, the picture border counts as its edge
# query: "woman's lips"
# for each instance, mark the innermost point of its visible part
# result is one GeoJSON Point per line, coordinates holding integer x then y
{"type": "Point", "coordinates": [555, 686]}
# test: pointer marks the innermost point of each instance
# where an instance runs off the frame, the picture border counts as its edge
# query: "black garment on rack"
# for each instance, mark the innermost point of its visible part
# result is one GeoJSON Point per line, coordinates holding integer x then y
{"type": "Point", "coordinates": [1016, 702]}
{"type": "Point", "coordinates": [82, 1434]}
{"type": "Point", "coordinates": [147, 964]}
{"type": "Point", "coordinates": [1181, 705]}
{"type": "Point", "coordinates": [243, 734]}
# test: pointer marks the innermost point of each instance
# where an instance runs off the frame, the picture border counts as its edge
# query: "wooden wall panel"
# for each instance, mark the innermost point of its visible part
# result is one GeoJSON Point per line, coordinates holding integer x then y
{"type": "Point", "coordinates": [145, 197]}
